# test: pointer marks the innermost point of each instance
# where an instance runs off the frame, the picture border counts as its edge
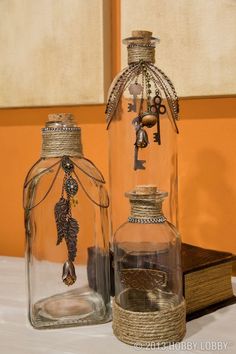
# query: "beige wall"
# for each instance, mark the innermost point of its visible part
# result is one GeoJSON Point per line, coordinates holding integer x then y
{"type": "Point", "coordinates": [198, 41]}
{"type": "Point", "coordinates": [54, 52]}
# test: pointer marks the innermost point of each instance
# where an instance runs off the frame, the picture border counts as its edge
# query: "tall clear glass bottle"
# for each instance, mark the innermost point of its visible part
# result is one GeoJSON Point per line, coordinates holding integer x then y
{"type": "Point", "coordinates": [142, 110]}
{"type": "Point", "coordinates": [67, 232]}
{"type": "Point", "coordinates": [149, 308]}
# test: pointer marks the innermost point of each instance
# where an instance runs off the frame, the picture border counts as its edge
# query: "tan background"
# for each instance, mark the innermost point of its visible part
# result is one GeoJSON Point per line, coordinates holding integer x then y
{"type": "Point", "coordinates": [54, 52]}
{"type": "Point", "coordinates": [198, 41]}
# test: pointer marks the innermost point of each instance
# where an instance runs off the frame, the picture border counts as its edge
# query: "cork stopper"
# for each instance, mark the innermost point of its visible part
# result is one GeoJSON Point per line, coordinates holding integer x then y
{"type": "Point", "coordinates": [140, 33]}
{"type": "Point", "coordinates": [141, 47]}
{"type": "Point", "coordinates": [60, 117]}
{"type": "Point", "coordinates": [145, 189]}
{"type": "Point", "coordinates": [145, 35]}
{"type": "Point", "coordinates": [141, 37]}
{"type": "Point", "coordinates": [61, 136]}
{"type": "Point", "coordinates": [63, 120]}
{"type": "Point", "coordinates": [146, 202]}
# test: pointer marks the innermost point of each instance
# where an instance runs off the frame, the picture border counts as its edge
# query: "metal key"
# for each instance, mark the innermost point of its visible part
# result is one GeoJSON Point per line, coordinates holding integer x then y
{"type": "Point", "coordinates": [158, 109]}
{"type": "Point", "coordinates": [135, 90]}
{"type": "Point", "coordinates": [138, 164]}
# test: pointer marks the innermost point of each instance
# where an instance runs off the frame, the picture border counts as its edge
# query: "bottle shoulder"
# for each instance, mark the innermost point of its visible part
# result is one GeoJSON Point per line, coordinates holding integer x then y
{"type": "Point", "coordinates": [46, 172]}
{"type": "Point", "coordinates": [81, 164]}
{"type": "Point", "coordinates": [165, 232]}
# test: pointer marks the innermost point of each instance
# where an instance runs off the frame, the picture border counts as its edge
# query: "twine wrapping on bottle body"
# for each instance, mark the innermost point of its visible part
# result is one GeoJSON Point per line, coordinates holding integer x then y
{"type": "Point", "coordinates": [144, 328]}
{"type": "Point", "coordinates": [145, 311]}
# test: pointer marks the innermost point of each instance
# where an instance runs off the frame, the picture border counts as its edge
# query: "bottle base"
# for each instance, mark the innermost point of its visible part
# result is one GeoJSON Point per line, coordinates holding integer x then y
{"type": "Point", "coordinates": [73, 308]}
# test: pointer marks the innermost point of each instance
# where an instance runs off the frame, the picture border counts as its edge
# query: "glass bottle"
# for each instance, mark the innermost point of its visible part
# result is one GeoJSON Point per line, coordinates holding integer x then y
{"type": "Point", "coordinates": [67, 232]}
{"type": "Point", "coordinates": [141, 112]}
{"type": "Point", "coordinates": [149, 305]}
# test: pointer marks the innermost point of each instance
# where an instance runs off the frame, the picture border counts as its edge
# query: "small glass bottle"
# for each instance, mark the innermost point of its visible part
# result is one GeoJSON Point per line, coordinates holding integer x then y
{"type": "Point", "coordinates": [67, 232]}
{"type": "Point", "coordinates": [142, 111]}
{"type": "Point", "coordinates": [149, 306]}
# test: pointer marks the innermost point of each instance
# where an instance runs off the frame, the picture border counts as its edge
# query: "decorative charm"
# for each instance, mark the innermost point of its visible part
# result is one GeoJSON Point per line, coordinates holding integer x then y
{"type": "Point", "coordinates": [148, 119]}
{"type": "Point", "coordinates": [67, 227]}
{"type": "Point", "coordinates": [147, 84]}
{"type": "Point", "coordinates": [157, 108]}
{"type": "Point", "coordinates": [67, 164]}
{"type": "Point", "coordinates": [135, 90]}
{"type": "Point", "coordinates": [68, 273]}
{"type": "Point", "coordinates": [141, 142]}
{"type": "Point", "coordinates": [71, 186]}
{"type": "Point", "coordinates": [153, 79]}
{"type": "Point", "coordinates": [143, 279]}
{"type": "Point", "coordinates": [61, 212]}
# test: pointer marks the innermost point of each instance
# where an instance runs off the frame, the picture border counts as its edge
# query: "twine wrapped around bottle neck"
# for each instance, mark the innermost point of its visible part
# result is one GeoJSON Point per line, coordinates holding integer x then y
{"type": "Point", "coordinates": [61, 137]}
{"type": "Point", "coordinates": [146, 204]}
{"type": "Point", "coordinates": [137, 53]}
{"type": "Point", "coordinates": [141, 47]}
{"type": "Point", "coordinates": [146, 209]}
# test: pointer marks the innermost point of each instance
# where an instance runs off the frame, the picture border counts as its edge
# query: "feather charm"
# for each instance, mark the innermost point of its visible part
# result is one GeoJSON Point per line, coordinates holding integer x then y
{"type": "Point", "coordinates": [67, 226]}
{"type": "Point", "coordinates": [71, 238]}
{"type": "Point", "coordinates": [61, 211]}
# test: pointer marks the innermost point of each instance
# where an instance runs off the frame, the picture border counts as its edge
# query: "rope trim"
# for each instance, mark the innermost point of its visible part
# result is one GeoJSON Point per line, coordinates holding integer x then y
{"type": "Point", "coordinates": [149, 209]}
{"type": "Point", "coordinates": [145, 53]}
{"type": "Point", "coordinates": [61, 142]}
{"type": "Point", "coordinates": [142, 328]}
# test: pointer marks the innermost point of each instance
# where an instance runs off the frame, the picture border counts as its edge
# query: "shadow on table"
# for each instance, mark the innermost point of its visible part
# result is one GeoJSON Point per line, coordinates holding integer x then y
{"type": "Point", "coordinates": [194, 326]}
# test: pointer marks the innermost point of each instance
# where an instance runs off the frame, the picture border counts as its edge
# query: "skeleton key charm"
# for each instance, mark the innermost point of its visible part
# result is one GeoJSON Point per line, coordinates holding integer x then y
{"type": "Point", "coordinates": [157, 108]}
{"type": "Point", "coordinates": [138, 164]}
{"type": "Point", "coordinates": [135, 90]}
{"type": "Point", "coordinates": [141, 142]}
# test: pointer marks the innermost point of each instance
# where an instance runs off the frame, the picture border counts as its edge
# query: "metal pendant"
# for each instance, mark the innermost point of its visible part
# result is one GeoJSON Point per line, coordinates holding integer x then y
{"type": "Point", "coordinates": [67, 164]}
{"type": "Point", "coordinates": [67, 226]}
{"type": "Point", "coordinates": [71, 186]}
{"type": "Point", "coordinates": [148, 119]}
{"type": "Point", "coordinates": [141, 142]}
{"type": "Point", "coordinates": [141, 138]}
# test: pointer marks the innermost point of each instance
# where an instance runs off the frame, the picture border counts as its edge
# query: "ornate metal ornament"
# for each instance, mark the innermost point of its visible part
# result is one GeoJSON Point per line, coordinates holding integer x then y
{"type": "Point", "coordinates": [148, 86]}
{"type": "Point", "coordinates": [154, 220]}
{"type": "Point", "coordinates": [143, 279]}
{"type": "Point", "coordinates": [71, 186]}
{"type": "Point", "coordinates": [67, 226]}
{"type": "Point", "coordinates": [67, 165]}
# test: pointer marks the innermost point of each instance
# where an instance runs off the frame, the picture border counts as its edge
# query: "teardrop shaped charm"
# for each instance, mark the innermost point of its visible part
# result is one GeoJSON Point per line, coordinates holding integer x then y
{"type": "Point", "coordinates": [141, 138]}
{"type": "Point", "coordinates": [71, 186]}
{"type": "Point", "coordinates": [67, 164]}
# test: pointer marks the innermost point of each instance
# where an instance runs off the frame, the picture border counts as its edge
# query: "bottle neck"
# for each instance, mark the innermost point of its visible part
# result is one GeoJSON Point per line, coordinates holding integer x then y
{"type": "Point", "coordinates": [58, 142]}
{"type": "Point", "coordinates": [146, 204]}
{"type": "Point", "coordinates": [141, 47]}
{"type": "Point", "coordinates": [146, 212]}
{"type": "Point", "coordinates": [139, 52]}
{"type": "Point", "coordinates": [145, 208]}
{"type": "Point", "coordinates": [61, 136]}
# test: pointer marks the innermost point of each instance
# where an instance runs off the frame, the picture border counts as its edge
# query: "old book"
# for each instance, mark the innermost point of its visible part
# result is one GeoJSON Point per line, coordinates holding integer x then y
{"type": "Point", "coordinates": [207, 275]}
{"type": "Point", "coordinates": [207, 279]}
